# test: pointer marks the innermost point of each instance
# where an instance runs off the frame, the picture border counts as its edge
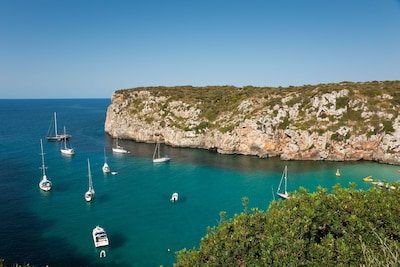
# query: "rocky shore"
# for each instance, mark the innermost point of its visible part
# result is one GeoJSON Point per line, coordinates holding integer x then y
{"type": "Point", "coordinates": [335, 122]}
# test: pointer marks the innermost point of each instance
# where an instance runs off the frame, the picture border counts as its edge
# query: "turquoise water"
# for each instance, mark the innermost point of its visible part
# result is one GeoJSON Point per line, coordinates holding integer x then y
{"type": "Point", "coordinates": [144, 227]}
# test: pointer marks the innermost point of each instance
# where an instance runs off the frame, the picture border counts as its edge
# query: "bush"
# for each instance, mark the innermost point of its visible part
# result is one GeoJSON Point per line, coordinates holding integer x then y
{"type": "Point", "coordinates": [347, 227]}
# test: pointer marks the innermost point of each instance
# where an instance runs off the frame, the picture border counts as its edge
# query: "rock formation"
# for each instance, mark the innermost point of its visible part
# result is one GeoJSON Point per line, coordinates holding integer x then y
{"type": "Point", "coordinates": [335, 122]}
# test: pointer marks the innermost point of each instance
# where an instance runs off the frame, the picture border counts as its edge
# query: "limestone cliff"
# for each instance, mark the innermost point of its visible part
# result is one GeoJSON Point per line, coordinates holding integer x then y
{"type": "Point", "coordinates": [335, 122]}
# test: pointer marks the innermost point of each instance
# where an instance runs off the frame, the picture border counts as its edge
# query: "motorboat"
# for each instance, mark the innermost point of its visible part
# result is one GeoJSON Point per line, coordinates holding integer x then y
{"type": "Point", "coordinates": [174, 197]}
{"type": "Point", "coordinates": [100, 238]}
{"type": "Point", "coordinates": [368, 179]}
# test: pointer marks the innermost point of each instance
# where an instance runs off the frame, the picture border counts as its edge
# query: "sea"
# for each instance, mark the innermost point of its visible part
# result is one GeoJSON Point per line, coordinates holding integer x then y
{"type": "Point", "coordinates": [144, 227]}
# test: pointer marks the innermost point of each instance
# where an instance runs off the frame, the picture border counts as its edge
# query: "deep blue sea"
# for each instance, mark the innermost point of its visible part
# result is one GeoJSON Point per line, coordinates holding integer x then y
{"type": "Point", "coordinates": [145, 229]}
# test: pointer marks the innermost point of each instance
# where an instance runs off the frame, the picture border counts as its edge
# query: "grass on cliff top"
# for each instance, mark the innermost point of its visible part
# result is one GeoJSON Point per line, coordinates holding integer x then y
{"type": "Point", "coordinates": [227, 96]}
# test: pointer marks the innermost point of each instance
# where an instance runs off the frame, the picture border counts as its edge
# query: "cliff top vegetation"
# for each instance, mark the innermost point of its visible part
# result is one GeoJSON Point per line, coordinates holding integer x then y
{"type": "Point", "coordinates": [362, 107]}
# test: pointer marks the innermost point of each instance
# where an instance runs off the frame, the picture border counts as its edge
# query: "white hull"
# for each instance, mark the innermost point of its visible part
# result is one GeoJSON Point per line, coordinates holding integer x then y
{"type": "Point", "coordinates": [120, 150]}
{"type": "Point", "coordinates": [45, 184]}
{"type": "Point", "coordinates": [67, 151]}
{"type": "Point", "coordinates": [163, 159]}
{"type": "Point", "coordinates": [106, 168]}
{"type": "Point", "coordinates": [100, 238]}
{"type": "Point", "coordinates": [89, 195]}
{"type": "Point", "coordinates": [174, 197]}
{"type": "Point", "coordinates": [283, 195]}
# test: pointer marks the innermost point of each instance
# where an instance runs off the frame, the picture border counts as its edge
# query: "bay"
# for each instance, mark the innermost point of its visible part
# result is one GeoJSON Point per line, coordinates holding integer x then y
{"type": "Point", "coordinates": [144, 227]}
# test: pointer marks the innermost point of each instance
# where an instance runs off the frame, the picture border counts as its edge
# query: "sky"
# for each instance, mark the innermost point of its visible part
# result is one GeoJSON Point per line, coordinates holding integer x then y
{"type": "Point", "coordinates": [90, 48]}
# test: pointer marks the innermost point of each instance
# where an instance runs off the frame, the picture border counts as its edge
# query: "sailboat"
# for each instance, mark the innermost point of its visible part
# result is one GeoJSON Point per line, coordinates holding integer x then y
{"type": "Point", "coordinates": [56, 136]}
{"type": "Point", "coordinates": [89, 195]}
{"type": "Point", "coordinates": [64, 149]}
{"type": "Point", "coordinates": [283, 194]}
{"type": "Point", "coordinates": [156, 155]}
{"type": "Point", "coordinates": [44, 183]}
{"type": "Point", "coordinates": [119, 149]}
{"type": "Point", "coordinates": [105, 168]}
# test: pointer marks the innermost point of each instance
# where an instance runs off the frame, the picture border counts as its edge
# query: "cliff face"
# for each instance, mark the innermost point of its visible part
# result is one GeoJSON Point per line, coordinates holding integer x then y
{"type": "Point", "coordinates": [335, 122]}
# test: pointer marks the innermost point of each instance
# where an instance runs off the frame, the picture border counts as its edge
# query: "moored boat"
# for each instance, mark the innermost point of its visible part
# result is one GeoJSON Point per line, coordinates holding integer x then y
{"type": "Point", "coordinates": [100, 238]}
{"type": "Point", "coordinates": [56, 136]}
{"type": "Point", "coordinates": [44, 184]}
{"type": "Point", "coordinates": [368, 179]}
{"type": "Point", "coordinates": [174, 197]}
{"type": "Point", "coordinates": [89, 195]}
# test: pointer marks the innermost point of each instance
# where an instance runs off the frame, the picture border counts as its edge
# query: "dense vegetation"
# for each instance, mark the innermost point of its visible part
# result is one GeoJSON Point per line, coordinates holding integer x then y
{"type": "Point", "coordinates": [347, 227]}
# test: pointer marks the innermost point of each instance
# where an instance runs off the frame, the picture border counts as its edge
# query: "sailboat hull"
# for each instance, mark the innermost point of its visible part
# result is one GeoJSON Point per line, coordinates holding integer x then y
{"type": "Point", "coordinates": [67, 151]}
{"type": "Point", "coordinates": [163, 159]}
{"type": "Point", "coordinates": [283, 195]}
{"type": "Point", "coordinates": [58, 137]}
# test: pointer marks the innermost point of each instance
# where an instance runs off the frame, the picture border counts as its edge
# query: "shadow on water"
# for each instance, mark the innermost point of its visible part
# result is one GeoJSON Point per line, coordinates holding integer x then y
{"type": "Point", "coordinates": [103, 198]}
{"type": "Point", "coordinates": [118, 239]}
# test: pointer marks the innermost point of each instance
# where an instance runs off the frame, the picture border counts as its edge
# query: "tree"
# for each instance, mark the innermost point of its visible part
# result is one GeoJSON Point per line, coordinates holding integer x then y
{"type": "Point", "coordinates": [347, 227]}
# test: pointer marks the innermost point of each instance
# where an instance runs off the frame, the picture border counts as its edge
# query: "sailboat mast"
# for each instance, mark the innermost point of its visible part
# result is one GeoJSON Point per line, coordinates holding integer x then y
{"type": "Point", "coordinates": [90, 176]}
{"type": "Point", "coordinates": [55, 124]}
{"type": "Point", "coordinates": [42, 154]}
{"type": "Point", "coordinates": [285, 179]}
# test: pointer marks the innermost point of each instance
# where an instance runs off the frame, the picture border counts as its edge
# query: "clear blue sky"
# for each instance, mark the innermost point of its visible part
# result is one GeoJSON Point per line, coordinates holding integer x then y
{"type": "Point", "coordinates": [90, 48]}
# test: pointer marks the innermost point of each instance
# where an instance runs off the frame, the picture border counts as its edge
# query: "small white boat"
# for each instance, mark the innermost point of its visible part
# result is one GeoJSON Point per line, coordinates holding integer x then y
{"type": "Point", "coordinates": [89, 195]}
{"type": "Point", "coordinates": [382, 184]}
{"type": "Point", "coordinates": [119, 149]}
{"type": "Point", "coordinates": [56, 136]}
{"type": "Point", "coordinates": [105, 168]}
{"type": "Point", "coordinates": [156, 155]}
{"type": "Point", "coordinates": [65, 150]}
{"type": "Point", "coordinates": [44, 184]}
{"type": "Point", "coordinates": [100, 238]}
{"type": "Point", "coordinates": [283, 193]}
{"type": "Point", "coordinates": [174, 197]}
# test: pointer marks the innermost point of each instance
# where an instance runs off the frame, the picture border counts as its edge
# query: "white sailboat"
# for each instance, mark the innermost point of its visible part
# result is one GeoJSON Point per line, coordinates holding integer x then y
{"type": "Point", "coordinates": [65, 150]}
{"type": "Point", "coordinates": [283, 193]}
{"type": "Point", "coordinates": [89, 195]}
{"type": "Point", "coordinates": [105, 168]}
{"type": "Point", "coordinates": [56, 136]}
{"type": "Point", "coordinates": [119, 149]}
{"type": "Point", "coordinates": [156, 155]}
{"type": "Point", "coordinates": [44, 184]}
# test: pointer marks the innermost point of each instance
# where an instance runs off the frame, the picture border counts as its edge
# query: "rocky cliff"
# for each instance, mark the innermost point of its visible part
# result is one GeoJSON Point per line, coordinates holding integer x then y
{"type": "Point", "coordinates": [335, 122]}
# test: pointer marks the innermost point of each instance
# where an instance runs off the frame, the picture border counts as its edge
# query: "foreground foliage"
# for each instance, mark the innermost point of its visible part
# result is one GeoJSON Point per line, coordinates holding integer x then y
{"type": "Point", "coordinates": [347, 227]}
